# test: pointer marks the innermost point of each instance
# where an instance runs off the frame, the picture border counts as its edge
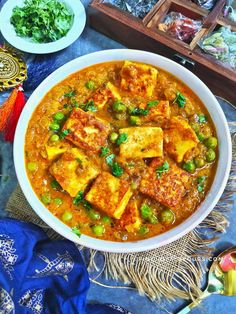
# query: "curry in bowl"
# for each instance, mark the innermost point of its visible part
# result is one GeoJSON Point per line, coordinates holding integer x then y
{"type": "Point", "coordinates": [121, 151]}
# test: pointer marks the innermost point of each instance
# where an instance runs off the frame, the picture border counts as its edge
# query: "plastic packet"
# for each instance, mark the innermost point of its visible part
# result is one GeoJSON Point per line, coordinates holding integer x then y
{"type": "Point", "coordinates": [222, 45]}
{"type": "Point", "coordinates": [138, 8]}
{"type": "Point", "coordinates": [206, 4]}
{"type": "Point", "coordinates": [230, 10]}
{"type": "Point", "coordinates": [179, 26]}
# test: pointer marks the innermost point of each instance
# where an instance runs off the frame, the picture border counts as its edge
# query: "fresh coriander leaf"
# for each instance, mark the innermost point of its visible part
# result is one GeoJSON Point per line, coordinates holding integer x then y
{"type": "Point", "coordinates": [44, 21]}
{"type": "Point", "coordinates": [152, 103]}
{"type": "Point", "coordinates": [202, 118]}
{"type": "Point", "coordinates": [164, 168]}
{"type": "Point", "coordinates": [86, 205]}
{"type": "Point", "coordinates": [180, 100]}
{"type": "Point", "coordinates": [123, 137]}
{"type": "Point", "coordinates": [90, 106]}
{"type": "Point", "coordinates": [64, 133]}
{"type": "Point", "coordinates": [139, 112]}
{"type": "Point", "coordinates": [55, 185]}
{"type": "Point", "coordinates": [109, 159]}
{"type": "Point", "coordinates": [79, 161]}
{"type": "Point", "coordinates": [201, 137]}
{"type": "Point", "coordinates": [104, 151]}
{"type": "Point", "coordinates": [70, 94]}
{"type": "Point", "coordinates": [76, 231]}
{"type": "Point", "coordinates": [79, 197]}
{"type": "Point", "coordinates": [116, 169]}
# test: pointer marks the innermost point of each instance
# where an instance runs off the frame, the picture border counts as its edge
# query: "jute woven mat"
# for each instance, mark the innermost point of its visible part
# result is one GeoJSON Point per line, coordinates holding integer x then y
{"type": "Point", "coordinates": [174, 270]}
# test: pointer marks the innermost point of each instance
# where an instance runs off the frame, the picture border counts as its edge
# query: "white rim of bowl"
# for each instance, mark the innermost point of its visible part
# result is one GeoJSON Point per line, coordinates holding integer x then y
{"type": "Point", "coordinates": [213, 107]}
{"type": "Point", "coordinates": [26, 45]}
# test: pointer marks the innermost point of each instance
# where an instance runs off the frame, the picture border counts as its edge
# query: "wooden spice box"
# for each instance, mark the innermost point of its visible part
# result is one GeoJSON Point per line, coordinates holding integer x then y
{"type": "Point", "coordinates": [144, 34]}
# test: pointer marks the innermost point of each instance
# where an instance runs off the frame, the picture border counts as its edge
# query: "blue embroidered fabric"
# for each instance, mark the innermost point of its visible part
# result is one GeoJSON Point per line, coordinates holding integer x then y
{"type": "Point", "coordinates": [40, 276]}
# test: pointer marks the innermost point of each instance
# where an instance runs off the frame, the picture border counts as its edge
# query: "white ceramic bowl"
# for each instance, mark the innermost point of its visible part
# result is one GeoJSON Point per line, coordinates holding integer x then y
{"type": "Point", "coordinates": [26, 44]}
{"type": "Point", "coordinates": [186, 76]}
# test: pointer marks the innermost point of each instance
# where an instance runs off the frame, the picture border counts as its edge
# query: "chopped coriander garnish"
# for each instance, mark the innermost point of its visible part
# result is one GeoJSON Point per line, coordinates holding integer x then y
{"type": "Point", "coordinates": [139, 112]}
{"type": "Point", "coordinates": [143, 230]}
{"type": "Point", "coordinates": [70, 94]}
{"type": "Point", "coordinates": [109, 159]}
{"type": "Point", "coordinates": [76, 231]}
{"type": "Point", "coordinates": [200, 188]}
{"type": "Point", "coordinates": [116, 169]}
{"type": "Point", "coordinates": [152, 103]}
{"type": "Point", "coordinates": [164, 168]}
{"type": "Point", "coordinates": [79, 197]}
{"type": "Point", "coordinates": [180, 100]}
{"type": "Point", "coordinates": [123, 137]}
{"type": "Point", "coordinates": [90, 106]}
{"type": "Point", "coordinates": [42, 21]}
{"type": "Point", "coordinates": [79, 161]}
{"type": "Point", "coordinates": [104, 151]}
{"type": "Point", "coordinates": [55, 185]}
{"type": "Point", "coordinates": [64, 133]}
{"type": "Point", "coordinates": [202, 118]}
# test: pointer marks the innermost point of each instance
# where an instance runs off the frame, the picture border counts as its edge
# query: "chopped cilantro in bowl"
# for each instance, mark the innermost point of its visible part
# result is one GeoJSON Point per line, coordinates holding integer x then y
{"type": "Point", "coordinates": [43, 21]}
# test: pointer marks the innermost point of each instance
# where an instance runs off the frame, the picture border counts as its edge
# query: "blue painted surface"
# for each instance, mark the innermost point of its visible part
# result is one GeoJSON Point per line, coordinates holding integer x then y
{"type": "Point", "coordinates": [91, 41]}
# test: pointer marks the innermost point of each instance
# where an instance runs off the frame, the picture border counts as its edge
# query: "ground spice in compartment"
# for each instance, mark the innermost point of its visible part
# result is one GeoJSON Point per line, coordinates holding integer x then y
{"type": "Point", "coordinates": [138, 8]}
{"type": "Point", "coordinates": [222, 45]}
{"type": "Point", "coordinates": [179, 26]}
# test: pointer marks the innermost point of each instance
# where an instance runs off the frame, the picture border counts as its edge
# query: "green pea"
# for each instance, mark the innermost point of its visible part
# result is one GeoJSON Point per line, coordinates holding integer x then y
{"type": "Point", "coordinates": [54, 126]}
{"type": "Point", "coordinates": [211, 142]}
{"type": "Point", "coordinates": [143, 230]}
{"type": "Point", "coordinates": [32, 166]}
{"type": "Point", "coordinates": [134, 120]}
{"type": "Point", "coordinates": [94, 215]}
{"type": "Point", "coordinates": [195, 126]}
{"type": "Point", "coordinates": [90, 84]}
{"type": "Point", "coordinates": [98, 230]}
{"type": "Point", "coordinates": [113, 137]}
{"type": "Point", "coordinates": [210, 155]}
{"type": "Point", "coordinates": [59, 116]}
{"type": "Point", "coordinates": [54, 138]}
{"type": "Point", "coordinates": [146, 211]}
{"type": "Point", "coordinates": [66, 216]}
{"type": "Point", "coordinates": [189, 166]}
{"type": "Point", "coordinates": [199, 162]}
{"type": "Point", "coordinates": [46, 198]}
{"type": "Point", "coordinates": [58, 201]}
{"type": "Point", "coordinates": [167, 216]}
{"type": "Point", "coordinates": [201, 137]}
{"type": "Point", "coordinates": [106, 219]}
{"type": "Point", "coordinates": [118, 106]}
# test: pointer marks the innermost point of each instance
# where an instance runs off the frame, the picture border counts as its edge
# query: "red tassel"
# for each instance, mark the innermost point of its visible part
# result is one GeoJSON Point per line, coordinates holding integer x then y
{"type": "Point", "coordinates": [12, 122]}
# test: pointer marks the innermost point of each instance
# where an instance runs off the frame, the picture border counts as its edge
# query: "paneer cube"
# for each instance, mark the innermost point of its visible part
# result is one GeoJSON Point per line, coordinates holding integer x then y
{"type": "Point", "coordinates": [131, 219]}
{"type": "Point", "coordinates": [168, 187]}
{"type": "Point", "coordinates": [55, 151]}
{"type": "Point", "coordinates": [142, 142]}
{"type": "Point", "coordinates": [161, 110]}
{"type": "Point", "coordinates": [74, 171]}
{"type": "Point", "coordinates": [109, 194]}
{"type": "Point", "coordinates": [179, 138]}
{"type": "Point", "coordinates": [104, 94]}
{"type": "Point", "coordinates": [86, 130]}
{"type": "Point", "coordinates": [138, 78]}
